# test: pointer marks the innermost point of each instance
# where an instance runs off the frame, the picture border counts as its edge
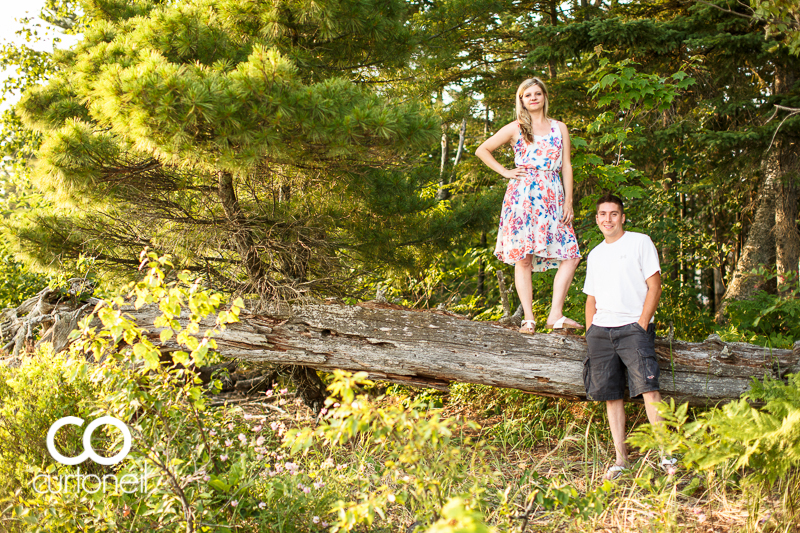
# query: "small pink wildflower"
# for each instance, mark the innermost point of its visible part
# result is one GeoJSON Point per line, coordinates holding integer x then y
{"type": "Point", "coordinates": [284, 391]}
{"type": "Point", "coordinates": [262, 505]}
{"type": "Point", "coordinates": [257, 428]}
{"type": "Point", "coordinates": [259, 441]}
{"type": "Point", "coordinates": [234, 503]}
{"type": "Point", "coordinates": [228, 443]}
{"type": "Point", "coordinates": [223, 457]}
{"type": "Point", "coordinates": [242, 438]}
{"type": "Point", "coordinates": [315, 520]}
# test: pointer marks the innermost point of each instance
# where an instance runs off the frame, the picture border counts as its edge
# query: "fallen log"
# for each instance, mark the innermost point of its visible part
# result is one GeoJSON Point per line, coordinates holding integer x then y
{"type": "Point", "coordinates": [422, 348]}
{"type": "Point", "coordinates": [435, 348]}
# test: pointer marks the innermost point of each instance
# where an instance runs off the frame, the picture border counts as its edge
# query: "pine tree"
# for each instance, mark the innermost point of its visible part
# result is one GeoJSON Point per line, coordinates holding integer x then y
{"type": "Point", "coordinates": [241, 138]}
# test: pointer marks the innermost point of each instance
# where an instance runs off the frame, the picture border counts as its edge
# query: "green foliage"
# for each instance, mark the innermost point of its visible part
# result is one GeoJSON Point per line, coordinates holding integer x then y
{"type": "Point", "coordinates": [411, 457]}
{"type": "Point", "coordinates": [17, 282]}
{"type": "Point", "coordinates": [762, 440]}
{"type": "Point", "coordinates": [211, 466]}
{"type": "Point", "coordinates": [527, 420]}
{"type": "Point", "coordinates": [766, 319]}
{"type": "Point", "coordinates": [33, 397]}
{"type": "Point", "coordinates": [419, 461]}
{"type": "Point", "coordinates": [162, 403]}
{"type": "Point", "coordinates": [781, 21]}
{"type": "Point", "coordinates": [458, 518]}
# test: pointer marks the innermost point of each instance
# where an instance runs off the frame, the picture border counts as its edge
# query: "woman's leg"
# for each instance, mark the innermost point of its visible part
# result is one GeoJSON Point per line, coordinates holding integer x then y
{"type": "Point", "coordinates": [522, 280]}
{"type": "Point", "coordinates": [566, 271]}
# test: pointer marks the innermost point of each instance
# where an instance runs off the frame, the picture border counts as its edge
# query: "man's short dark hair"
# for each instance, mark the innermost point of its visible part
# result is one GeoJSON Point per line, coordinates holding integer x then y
{"type": "Point", "coordinates": [613, 199]}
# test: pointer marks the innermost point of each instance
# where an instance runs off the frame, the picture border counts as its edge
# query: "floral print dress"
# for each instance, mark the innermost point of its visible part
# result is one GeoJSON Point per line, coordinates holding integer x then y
{"type": "Point", "coordinates": [532, 207]}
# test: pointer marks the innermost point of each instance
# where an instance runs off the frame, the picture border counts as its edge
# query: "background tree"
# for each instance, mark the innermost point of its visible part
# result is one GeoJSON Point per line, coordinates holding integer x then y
{"type": "Point", "coordinates": [240, 138]}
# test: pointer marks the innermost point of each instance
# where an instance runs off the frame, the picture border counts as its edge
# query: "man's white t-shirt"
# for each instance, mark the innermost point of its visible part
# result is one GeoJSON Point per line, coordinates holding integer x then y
{"type": "Point", "coordinates": [616, 276]}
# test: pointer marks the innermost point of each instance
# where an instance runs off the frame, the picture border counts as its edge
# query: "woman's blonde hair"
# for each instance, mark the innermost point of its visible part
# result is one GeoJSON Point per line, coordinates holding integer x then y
{"type": "Point", "coordinates": [523, 116]}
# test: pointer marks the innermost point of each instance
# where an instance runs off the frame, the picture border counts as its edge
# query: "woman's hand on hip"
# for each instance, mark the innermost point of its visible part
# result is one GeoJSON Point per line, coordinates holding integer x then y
{"type": "Point", "coordinates": [568, 215]}
{"type": "Point", "coordinates": [517, 173]}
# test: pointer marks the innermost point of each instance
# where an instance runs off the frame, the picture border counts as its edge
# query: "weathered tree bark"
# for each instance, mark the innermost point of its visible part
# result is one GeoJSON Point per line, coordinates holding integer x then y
{"type": "Point", "coordinates": [433, 349]}
{"type": "Point", "coordinates": [787, 238]}
{"type": "Point", "coordinates": [760, 244]}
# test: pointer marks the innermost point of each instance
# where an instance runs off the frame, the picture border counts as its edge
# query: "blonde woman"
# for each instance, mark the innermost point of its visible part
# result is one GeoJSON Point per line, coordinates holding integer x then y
{"type": "Point", "coordinates": [536, 222]}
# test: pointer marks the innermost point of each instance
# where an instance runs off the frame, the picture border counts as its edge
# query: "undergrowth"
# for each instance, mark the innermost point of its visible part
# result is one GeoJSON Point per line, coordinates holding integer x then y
{"type": "Point", "coordinates": [377, 458]}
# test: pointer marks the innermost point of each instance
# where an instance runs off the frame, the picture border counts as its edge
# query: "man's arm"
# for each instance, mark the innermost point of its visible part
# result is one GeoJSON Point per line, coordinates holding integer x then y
{"type": "Point", "coordinates": [650, 302]}
{"type": "Point", "coordinates": [591, 309]}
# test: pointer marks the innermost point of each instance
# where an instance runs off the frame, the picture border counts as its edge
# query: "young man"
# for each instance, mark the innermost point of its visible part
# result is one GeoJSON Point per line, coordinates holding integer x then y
{"type": "Point", "coordinates": [623, 285]}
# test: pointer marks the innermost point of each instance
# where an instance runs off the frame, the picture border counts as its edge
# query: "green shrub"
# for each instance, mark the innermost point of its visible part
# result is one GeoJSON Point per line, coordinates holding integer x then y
{"type": "Point", "coordinates": [761, 444]}
{"type": "Point", "coordinates": [766, 319]}
{"type": "Point", "coordinates": [32, 397]}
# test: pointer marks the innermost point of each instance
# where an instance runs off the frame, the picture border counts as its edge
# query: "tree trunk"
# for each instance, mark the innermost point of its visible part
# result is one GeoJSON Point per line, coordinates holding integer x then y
{"type": "Point", "coordinates": [462, 135]}
{"type": "Point", "coordinates": [429, 348]}
{"type": "Point", "coordinates": [443, 193]}
{"type": "Point", "coordinates": [719, 289]}
{"type": "Point", "coordinates": [760, 244]}
{"type": "Point", "coordinates": [774, 230]}
{"type": "Point", "coordinates": [787, 238]}
{"type": "Point", "coordinates": [241, 236]}
{"type": "Point", "coordinates": [482, 266]}
{"type": "Point", "coordinates": [551, 66]}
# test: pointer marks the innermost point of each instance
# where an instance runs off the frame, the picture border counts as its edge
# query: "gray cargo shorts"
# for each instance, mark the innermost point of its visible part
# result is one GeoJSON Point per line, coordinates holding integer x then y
{"type": "Point", "coordinates": [613, 352]}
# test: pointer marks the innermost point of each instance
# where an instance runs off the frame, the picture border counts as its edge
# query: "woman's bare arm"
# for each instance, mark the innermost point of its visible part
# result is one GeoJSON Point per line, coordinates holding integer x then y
{"type": "Point", "coordinates": [506, 134]}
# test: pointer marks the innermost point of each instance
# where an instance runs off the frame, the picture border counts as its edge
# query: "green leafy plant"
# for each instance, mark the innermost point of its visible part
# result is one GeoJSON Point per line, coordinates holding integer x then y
{"type": "Point", "coordinates": [766, 319]}
{"type": "Point", "coordinates": [760, 443]}
{"type": "Point", "coordinates": [193, 463]}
